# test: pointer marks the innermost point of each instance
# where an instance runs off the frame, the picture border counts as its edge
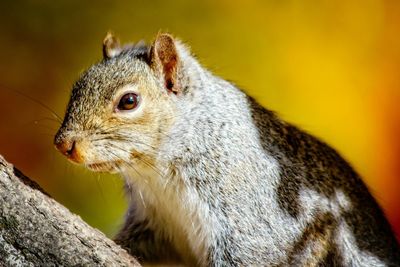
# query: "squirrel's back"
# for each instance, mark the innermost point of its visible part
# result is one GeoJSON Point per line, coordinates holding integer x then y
{"type": "Point", "coordinates": [306, 163]}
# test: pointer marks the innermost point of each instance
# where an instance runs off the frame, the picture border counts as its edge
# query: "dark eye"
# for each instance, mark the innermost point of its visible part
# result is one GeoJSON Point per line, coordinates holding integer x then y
{"type": "Point", "coordinates": [128, 101]}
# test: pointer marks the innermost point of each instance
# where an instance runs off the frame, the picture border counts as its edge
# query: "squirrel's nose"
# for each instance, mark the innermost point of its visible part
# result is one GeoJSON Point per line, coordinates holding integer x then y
{"type": "Point", "coordinates": [69, 149]}
{"type": "Point", "coordinates": [66, 147]}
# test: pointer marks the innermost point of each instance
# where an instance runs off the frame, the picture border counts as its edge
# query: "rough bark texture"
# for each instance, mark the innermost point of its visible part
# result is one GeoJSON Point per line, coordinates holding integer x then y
{"type": "Point", "coordinates": [35, 230]}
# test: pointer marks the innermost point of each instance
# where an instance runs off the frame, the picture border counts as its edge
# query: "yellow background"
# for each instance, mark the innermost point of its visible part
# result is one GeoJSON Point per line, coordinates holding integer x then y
{"type": "Point", "coordinates": [330, 67]}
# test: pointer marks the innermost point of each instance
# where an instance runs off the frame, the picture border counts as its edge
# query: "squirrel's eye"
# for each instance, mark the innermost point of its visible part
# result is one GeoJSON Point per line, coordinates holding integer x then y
{"type": "Point", "coordinates": [128, 101]}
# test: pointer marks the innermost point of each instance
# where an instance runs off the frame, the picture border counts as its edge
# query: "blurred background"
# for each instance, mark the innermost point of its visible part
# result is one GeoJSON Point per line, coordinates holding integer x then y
{"type": "Point", "coordinates": [330, 67]}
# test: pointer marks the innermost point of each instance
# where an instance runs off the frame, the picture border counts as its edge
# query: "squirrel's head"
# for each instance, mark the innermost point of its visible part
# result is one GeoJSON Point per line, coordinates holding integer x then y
{"type": "Point", "coordinates": [121, 108]}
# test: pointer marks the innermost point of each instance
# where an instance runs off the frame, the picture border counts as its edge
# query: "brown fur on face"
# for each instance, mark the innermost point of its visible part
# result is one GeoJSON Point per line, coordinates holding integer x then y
{"type": "Point", "coordinates": [99, 131]}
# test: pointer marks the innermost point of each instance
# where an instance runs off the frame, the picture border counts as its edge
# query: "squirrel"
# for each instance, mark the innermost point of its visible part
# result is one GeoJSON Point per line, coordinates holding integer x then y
{"type": "Point", "coordinates": [213, 178]}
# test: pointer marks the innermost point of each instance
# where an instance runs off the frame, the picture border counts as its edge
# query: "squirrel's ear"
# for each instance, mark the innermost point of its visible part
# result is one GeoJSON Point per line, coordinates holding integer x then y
{"type": "Point", "coordinates": [164, 58]}
{"type": "Point", "coordinates": [111, 46]}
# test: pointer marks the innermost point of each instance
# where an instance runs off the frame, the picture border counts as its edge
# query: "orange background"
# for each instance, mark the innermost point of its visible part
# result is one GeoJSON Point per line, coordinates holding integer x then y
{"type": "Point", "coordinates": [330, 67]}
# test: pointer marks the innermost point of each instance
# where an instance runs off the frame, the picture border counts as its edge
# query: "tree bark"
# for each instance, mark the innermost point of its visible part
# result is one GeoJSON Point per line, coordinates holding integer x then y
{"type": "Point", "coordinates": [35, 230]}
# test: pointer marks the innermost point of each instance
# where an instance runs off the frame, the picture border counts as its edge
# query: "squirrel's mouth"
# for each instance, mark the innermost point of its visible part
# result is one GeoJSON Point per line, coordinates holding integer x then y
{"type": "Point", "coordinates": [107, 166]}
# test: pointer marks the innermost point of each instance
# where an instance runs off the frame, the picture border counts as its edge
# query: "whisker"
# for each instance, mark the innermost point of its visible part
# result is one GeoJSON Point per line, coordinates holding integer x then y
{"type": "Point", "coordinates": [99, 188]}
{"type": "Point", "coordinates": [34, 100]}
{"type": "Point", "coordinates": [141, 196]}
{"type": "Point", "coordinates": [152, 166]}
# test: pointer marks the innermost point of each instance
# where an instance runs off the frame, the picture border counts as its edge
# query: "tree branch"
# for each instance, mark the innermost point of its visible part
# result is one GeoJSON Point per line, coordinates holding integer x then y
{"type": "Point", "coordinates": [35, 230]}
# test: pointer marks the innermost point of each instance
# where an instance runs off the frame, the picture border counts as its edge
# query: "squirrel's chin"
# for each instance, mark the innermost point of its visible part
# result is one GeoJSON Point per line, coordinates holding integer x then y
{"type": "Point", "coordinates": [110, 167]}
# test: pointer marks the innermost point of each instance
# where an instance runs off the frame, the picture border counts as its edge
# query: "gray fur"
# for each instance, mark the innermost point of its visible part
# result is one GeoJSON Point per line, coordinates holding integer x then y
{"type": "Point", "coordinates": [217, 180]}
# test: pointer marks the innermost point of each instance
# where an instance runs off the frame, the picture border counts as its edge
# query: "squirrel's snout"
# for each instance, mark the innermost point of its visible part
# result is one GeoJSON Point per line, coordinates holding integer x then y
{"type": "Point", "coordinates": [66, 147]}
{"type": "Point", "coordinates": [69, 149]}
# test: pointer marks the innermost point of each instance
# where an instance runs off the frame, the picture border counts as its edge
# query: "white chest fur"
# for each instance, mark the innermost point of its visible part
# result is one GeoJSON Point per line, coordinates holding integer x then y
{"type": "Point", "coordinates": [173, 210]}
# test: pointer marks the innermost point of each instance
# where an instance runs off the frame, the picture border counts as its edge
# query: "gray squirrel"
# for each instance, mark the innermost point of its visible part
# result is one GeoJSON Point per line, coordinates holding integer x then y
{"type": "Point", "coordinates": [214, 178]}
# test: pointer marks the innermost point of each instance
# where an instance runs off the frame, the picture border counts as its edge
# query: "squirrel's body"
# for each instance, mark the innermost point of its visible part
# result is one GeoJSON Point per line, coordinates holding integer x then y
{"type": "Point", "coordinates": [213, 178]}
